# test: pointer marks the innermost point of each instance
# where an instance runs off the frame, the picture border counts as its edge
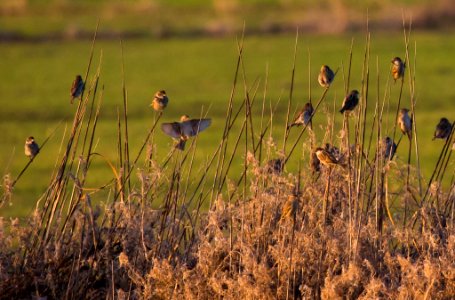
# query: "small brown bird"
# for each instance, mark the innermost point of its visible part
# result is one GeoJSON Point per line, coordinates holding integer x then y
{"type": "Point", "coordinates": [350, 101]}
{"type": "Point", "coordinates": [398, 68]}
{"type": "Point", "coordinates": [326, 76]}
{"type": "Point", "coordinates": [325, 157]}
{"type": "Point", "coordinates": [389, 148]}
{"type": "Point", "coordinates": [185, 129]}
{"type": "Point", "coordinates": [275, 166]}
{"type": "Point", "coordinates": [160, 101]}
{"type": "Point", "coordinates": [31, 148]}
{"type": "Point", "coordinates": [77, 88]}
{"type": "Point", "coordinates": [443, 129]}
{"type": "Point", "coordinates": [304, 116]}
{"type": "Point", "coordinates": [290, 208]}
{"type": "Point", "coordinates": [405, 122]}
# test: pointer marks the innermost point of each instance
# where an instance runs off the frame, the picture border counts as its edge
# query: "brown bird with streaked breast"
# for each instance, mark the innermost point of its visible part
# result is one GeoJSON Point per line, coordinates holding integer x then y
{"type": "Point", "coordinates": [398, 68]}
{"type": "Point", "coordinates": [304, 116]}
{"type": "Point", "coordinates": [350, 101]}
{"type": "Point", "coordinates": [325, 157]}
{"type": "Point", "coordinates": [405, 122]}
{"type": "Point", "coordinates": [185, 129]}
{"type": "Point", "coordinates": [326, 76]}
{"type": "Point", "coordinates": [77, 88]}
{"type": "Point", "coordinates": [31, 148]}
{"type": "Point", "coordinates": [160, 101]}
{"type": "Point", "coordinates": [443, 129]}
{"type": "Point", "coordinates": [290, 208]}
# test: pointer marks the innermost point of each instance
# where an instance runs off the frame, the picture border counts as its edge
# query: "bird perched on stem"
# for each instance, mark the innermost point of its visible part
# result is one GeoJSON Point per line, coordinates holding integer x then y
{"type": "Point", "coordinates": [326, 158]}
{"type": "Point", "coordinates": [304, 116]}
{"type": "Point", "coordinates": [77, 88]}
{"type": "Point", "coordinates": [405, 122]}
{"type": "Point", "coordinates": [398, 68]}
{"type": "Point", "coordinates": [290, 208]}
{"type": "Point", "coordinates": [185, 129]}
{"type": "Point", "coordinates": [275, 166]}
{"type": "Point", "coordinates": [443, 129]}
{"type": "Point", "coordinates": [326, 76]}
{"type": "Point", "coordinates": [350, 101]}
{"type": "Point", "coordinates": [389, 148]}
{"type": "Point", "coordinates": [31, 148]}
{"type": "Point", "coordinates": [160, 101]}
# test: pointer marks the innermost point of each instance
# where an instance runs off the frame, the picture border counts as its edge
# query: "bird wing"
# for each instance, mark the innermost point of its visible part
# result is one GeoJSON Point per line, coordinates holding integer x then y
{"type": "Point", "coordinates": [194, 126]}
{"type": "Point", "coordinates": [172, 129]}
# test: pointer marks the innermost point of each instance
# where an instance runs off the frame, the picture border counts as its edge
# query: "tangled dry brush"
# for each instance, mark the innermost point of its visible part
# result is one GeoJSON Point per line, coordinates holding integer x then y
{"type": "Point", "coordinates": [330, 232]}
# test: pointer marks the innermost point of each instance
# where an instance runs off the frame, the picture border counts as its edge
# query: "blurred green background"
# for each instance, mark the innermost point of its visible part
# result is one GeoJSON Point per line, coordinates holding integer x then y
{"type": "Point", "coordinates": [189, 48]}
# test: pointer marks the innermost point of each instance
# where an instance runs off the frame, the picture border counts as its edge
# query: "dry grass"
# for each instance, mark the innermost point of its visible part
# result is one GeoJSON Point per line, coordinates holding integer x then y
{"type": "Point", "coordinates": [334, 233]}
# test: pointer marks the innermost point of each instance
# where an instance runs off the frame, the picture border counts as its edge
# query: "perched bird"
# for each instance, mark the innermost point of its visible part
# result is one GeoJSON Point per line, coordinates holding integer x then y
{"type": "Point", "coordinates": [389, 148]}
{"type": "Point", "coordinates": [275, 166]}
{"type": "Point", "coordinates": [405, 122]}
{"type": "Point", "coordinates": [325, 157]}
{"type": "Point", "coordinates": [443, 129]}
{"type": "Point", "coordinates": [350, 101]}
{"type": "Point", "coordinates": [185, 129]}
{"type": "Point", "coordinates": [326, 76]}
{"type": "Point", "coordinates": [290, 208]}
{"type": "Point", "coordinates": [77, 88]}
{"type": "Point", "coordinates": [304, 116]}
{"type": "Point", "coordinates": [160, 101]}
{"type": "Point", "coordinates": [31, 148]}
{"type": "Point", "coordinates": [398, 68]}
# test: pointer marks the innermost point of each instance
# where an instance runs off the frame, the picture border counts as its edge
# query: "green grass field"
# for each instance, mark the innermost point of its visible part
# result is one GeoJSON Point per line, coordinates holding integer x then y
{"type": "Point", "coordinates": [198, 74]}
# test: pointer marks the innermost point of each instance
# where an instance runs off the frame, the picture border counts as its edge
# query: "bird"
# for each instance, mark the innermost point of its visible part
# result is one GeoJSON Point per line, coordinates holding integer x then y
{"type": "Point", "coordinates": [398, 68]}
{"type": "Point", "coordinates": [350, 101]}
{"type": "Point", "coordinates": [326, 76]}
{"type": "Point", "coordinates": [160, 101]}
{"type": "Point", "coordinates": [31, 148]}
{"type": "Point", "coordinates": [405, 122]}
{"type": "Point", "coordinates": [275, 166]}
{"type": "Point", "coordinates": [290, 208]}
{"type": "Point", "coordinates": [304, 116]}
{"type": "Point", "coordinates": [443, 129]}
{"type": "Point", "coordinates": [325, 157]}
{"type": "Point", "coordinates": [389, 148]}
{"type": "Point", "coordinates": [77, 88]}
{"type": "Point", "coordinates": [185, 129]}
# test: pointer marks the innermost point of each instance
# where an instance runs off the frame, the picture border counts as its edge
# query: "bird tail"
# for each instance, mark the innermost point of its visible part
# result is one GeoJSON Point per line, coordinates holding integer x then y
{"type": "Point", "coordinates": [342, 110]}
{"type": "Point", "coordinates": [181, 144]}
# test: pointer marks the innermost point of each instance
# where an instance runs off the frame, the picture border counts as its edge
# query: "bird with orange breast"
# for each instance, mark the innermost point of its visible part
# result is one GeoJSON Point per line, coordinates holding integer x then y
{"type": "Point", "coordinates": [185, 129]}
{"type": "Point", "coordinates": [326, 76]}
{"type": "Point", "coordinates": [160, 101]}
{"type": "Point", "coordinates": [398, 68]}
